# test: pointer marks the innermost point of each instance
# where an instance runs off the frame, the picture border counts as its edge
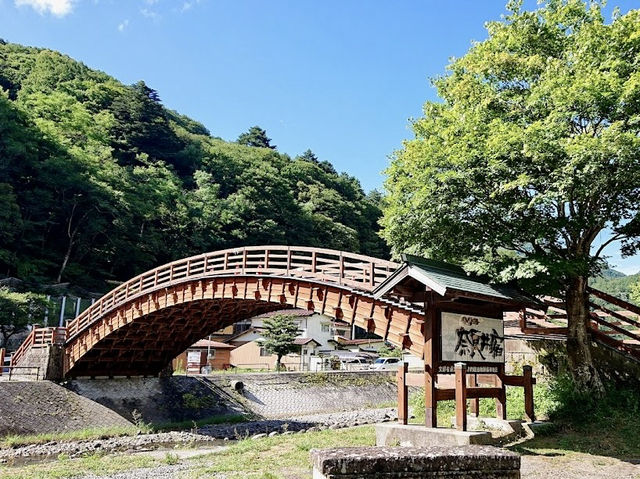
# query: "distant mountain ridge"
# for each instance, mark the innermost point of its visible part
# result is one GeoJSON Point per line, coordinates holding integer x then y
{"type": "Point", "coordinates": [615, 283]}
{"type": "Point", "coordinates": [98, 180]}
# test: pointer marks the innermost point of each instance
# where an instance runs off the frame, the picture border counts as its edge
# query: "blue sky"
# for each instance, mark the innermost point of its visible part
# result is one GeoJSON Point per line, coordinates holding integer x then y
{"type": "Point", "coordinates": [341, 77]}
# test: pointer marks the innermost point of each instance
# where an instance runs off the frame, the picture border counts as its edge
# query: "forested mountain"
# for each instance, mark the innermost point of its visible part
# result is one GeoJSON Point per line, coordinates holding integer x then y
{"type": "Point", "coordinates": [615, 283]}
{"type": "Point", "coordinates": [99, 180]}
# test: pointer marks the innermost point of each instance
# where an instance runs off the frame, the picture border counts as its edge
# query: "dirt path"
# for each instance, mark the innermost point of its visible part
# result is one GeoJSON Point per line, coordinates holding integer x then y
{"type": "Point", "coordinates": [577, 466]}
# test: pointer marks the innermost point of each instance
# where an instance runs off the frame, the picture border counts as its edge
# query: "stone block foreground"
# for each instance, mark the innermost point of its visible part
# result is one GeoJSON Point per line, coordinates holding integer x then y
{"type": "Point", "coordinates": [460, 462]}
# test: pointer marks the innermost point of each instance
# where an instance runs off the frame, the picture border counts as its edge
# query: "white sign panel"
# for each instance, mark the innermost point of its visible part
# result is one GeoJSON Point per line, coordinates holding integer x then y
{"type": "Point", "coordinates": [468, 338]}
{"type": "Point", "coordinates": [194, 357]}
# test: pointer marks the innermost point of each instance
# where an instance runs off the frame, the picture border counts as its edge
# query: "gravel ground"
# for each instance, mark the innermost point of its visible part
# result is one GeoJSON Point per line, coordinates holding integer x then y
{"type": "Point", "coordinates": [112, 444]}
{"type": "Point", "coordinates": [207, 435]}
{"type": "Point", "coordinates": [162, 472]}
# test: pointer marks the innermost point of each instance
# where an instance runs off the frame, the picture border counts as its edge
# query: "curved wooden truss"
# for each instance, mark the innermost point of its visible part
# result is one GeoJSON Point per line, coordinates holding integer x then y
{"type": "Point", "coordinates": [138, 327]}
{"type": "Point", "coordinates": [144, 334]}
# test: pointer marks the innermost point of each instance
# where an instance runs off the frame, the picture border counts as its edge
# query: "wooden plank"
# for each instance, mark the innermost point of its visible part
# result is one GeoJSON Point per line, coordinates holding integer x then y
{"type": "Point", "coordinates": [615, 328]}
{"type": "Point", "coordinates": [615, 315]}
{"type": "Point", "coordinates": [501, 398]}
{"type": "Point", "coordinates": [414, 379]}
{"type": "Point", "coordinates": [472, 382]}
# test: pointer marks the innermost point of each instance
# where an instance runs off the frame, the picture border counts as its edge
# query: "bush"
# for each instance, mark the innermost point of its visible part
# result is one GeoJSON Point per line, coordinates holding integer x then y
{"type": "Point", "coordinates": [545, 401]}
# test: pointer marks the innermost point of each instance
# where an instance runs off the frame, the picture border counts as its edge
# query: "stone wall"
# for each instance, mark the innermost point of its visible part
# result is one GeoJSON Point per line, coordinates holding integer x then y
{"type": "Point", "coordinates": [267, 395]}
{"type": "Point", "coordinates": [290, 394]}
{"type": "Point", "coordinates": [47, 361]}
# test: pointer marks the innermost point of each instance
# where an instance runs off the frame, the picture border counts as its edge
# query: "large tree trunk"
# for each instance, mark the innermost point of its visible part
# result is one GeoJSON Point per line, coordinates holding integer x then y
{"type": "Point", "coordinates": [585, 375]}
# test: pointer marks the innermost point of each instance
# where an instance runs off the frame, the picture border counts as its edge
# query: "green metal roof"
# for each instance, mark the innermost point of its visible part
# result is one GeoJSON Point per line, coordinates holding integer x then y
{"type": "Point", "coordinates": [448, 278]}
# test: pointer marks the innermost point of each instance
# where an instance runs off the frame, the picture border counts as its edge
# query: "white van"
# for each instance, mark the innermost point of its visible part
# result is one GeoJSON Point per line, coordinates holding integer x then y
{"type": "Point", "coordinates": [386, 364]}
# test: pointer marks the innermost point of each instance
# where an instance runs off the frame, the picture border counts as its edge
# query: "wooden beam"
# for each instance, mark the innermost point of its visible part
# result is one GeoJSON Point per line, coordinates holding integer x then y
{"type": "Point", "coordinates": [430, 362]}
{"type": "Point", "coordinates": [403, 400]}
{"type": "Point", "coordinates": [461, 396]}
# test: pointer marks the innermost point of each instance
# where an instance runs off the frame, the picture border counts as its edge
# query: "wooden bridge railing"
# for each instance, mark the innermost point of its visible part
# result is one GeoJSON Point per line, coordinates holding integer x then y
{"type": "Point", "coordinates": [614, 328]}
{"type": "Point", "coordinates": [325, 265]}
{"type": "Point", "coordinates": [39, 338]}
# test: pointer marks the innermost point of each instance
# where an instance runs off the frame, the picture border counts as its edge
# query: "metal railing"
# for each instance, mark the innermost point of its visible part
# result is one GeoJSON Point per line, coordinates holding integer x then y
{"type": "Point", "coordinates": [322, 265]}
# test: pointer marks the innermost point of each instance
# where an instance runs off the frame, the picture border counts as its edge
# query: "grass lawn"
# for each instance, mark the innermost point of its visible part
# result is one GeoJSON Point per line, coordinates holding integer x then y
{"type": "Point", "coordinates": [269, 458]}
{"type": "Point", "coordinates": [559, 452]}
{"type": "Point", "coordinates": [279, 456]}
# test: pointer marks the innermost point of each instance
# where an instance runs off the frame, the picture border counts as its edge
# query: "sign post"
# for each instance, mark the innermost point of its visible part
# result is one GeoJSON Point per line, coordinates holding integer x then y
{"type": "Point", "coordinates": [464, 361]}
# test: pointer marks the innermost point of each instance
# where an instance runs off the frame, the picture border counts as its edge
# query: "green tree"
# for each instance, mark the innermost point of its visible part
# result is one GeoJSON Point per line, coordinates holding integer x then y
{"type": "Point", "coordinates": [309, 156]}
{"type": "Point", "coordinates": [280, 331]}
{"type": "Point", "coordinates": [388, 351]}
{"type": "Point", "coordinates": [17, 311]}
{"type": "Point", "coordinates": [635, 292]}
{"type": "Point", "coordinates": [256, 137]}
{"type": "Point", "coordinates": [532, 153]}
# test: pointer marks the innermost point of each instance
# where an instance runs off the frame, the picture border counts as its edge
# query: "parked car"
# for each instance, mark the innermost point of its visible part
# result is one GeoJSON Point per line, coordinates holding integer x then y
{"type": "Point", "coordinates": [354, 364]}
{"type": "Point", "coordinates": [386, 364]}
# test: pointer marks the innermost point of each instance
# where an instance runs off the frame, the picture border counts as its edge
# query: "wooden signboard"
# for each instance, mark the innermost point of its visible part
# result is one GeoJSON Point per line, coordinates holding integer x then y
{"type": "Point", "coordinates": [471, 339]}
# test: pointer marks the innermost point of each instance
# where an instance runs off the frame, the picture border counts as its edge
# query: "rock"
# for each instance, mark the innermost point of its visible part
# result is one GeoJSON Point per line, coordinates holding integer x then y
{"type": "Point", "coordinates": [273, 433]}
{"type": "Point", "coordinates": [258, 436]}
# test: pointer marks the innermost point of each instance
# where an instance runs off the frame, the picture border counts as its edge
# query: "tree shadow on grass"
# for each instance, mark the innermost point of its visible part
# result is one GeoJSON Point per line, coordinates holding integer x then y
{"type": "Point", "coordinates": [614, 439]}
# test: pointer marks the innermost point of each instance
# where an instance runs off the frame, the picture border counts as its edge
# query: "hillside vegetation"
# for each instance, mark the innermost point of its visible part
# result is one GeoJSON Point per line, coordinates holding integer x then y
{"type": "Point", "coordinates": [616, 284]}
{"type": "Point", "coordinates": [99, 180]}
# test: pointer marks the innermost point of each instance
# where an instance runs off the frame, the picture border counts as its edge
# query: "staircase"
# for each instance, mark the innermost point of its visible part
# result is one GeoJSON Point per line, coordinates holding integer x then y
{"type": "Point", "coordinates": [615, 324]}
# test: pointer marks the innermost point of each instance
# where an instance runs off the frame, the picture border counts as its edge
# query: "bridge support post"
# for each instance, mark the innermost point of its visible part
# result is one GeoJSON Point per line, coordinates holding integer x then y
{"type": "Point", "coordinates": [2, 353]}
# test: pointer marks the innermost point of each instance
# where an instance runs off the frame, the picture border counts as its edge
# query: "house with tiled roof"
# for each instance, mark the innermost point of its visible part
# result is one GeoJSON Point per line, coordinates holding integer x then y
{"type": "Point", "coordinates": [316, 338]}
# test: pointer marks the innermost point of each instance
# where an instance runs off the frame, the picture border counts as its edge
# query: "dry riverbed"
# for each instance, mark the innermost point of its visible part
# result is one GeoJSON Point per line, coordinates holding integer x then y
{"type": "Point", "coordinates": [281, 452]}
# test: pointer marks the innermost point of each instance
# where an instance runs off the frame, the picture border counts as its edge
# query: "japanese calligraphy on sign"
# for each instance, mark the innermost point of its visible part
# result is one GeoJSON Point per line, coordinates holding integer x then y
{"type": "Point", "coordinates": [468, 338]}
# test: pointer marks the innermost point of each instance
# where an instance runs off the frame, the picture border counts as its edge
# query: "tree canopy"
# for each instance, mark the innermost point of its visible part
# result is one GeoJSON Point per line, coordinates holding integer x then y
{"type": "Point", "coordinates": [280, 331]}
{"type": "Point", "coordinates": [99, 181]}
{"type": "Point", "coordinates": [17, 311]}
{"type": "Point", "coordinates": [256, 137]}
{"type": "Point", "coordinates": [533, 152]}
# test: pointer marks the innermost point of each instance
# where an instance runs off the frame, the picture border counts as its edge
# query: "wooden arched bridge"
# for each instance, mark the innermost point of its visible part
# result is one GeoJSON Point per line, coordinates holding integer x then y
{"type": "Point", "coordinates": [138, 327]}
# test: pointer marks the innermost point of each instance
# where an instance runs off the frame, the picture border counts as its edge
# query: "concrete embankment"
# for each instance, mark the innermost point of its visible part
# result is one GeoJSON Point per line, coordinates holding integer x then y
{"type": "Point", "coordinates": [35, 407]}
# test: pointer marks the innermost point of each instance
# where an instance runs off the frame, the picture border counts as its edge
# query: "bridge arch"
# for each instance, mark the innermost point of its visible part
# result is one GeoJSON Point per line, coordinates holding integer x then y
{"type": "Point", "coordinates": [138, 327]}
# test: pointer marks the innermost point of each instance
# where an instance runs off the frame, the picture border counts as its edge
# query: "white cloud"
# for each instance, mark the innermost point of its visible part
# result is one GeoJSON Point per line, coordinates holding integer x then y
{"type": "Point", "coordinates": [59, 8]}
{"type": "Point", "coordinates": [124, 24]}
{"type": "Point", "coordinates": [187, 4]}
{"type": "Point", "coordinates": [150, 14]}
